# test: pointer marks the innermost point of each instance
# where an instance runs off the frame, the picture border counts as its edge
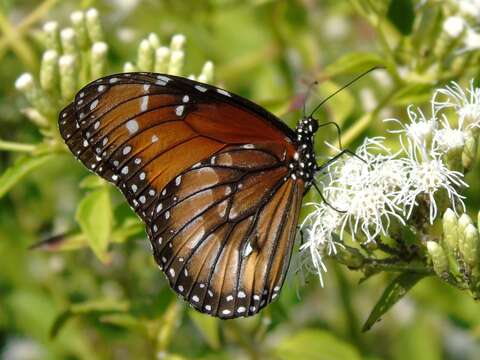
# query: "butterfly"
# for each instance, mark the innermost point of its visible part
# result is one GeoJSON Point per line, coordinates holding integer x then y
{"type": "Point", "coordinates": [217, 180]}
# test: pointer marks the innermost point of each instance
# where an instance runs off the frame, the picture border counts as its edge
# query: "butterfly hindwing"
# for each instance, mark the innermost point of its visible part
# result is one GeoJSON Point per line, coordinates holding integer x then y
{"type": "Point", "coordinates": [223, 231]}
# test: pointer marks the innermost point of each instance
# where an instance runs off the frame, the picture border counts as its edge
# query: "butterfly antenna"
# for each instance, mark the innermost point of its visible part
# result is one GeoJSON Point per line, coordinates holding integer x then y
{"type": "Point", "coordinates": [345, 86]}
{"type": "Point", "coordinates": [307, 95]}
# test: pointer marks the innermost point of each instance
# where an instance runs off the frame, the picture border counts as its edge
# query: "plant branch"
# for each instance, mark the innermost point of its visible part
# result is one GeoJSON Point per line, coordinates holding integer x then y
{"type": "Point", "coordinates": [18, 147]}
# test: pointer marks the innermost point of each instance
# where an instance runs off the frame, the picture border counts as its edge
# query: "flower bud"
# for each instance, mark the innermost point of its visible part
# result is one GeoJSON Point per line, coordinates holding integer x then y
{"type": "Point", "coordinates": [162, 59]}
{"type": "Point", "coordinates": [450, 231]}
{"type": "Point", "coordinates": [26, 85]}
{"type": "Point", "coordinates": [145, 56]}
{"type": "Point", "coordinates": [69, 41]}
{"type": "Point", "coordinates": [177, 42]}
{"type": "Point", "coordinates": [49, 77]}
{"type": "Point", "coordinates": [206, 76]}
{"type": "Point", "coordinates": [94, 27]}
{"type": "Point", "coordinates": [78, 21]}
{"type": "Point", "coordinates": [439, 258]}
{"type": "Point", "coordinates": [68, 76]}
{"type": "Point", "coordinates": [176, 62]}
{"type": "Point", "coordinates": [98, 61]}
{"type": "Point", "coordinates": [129, 67]}
{"type": "Point", "coordinates": [463, 222]}
{"type": "Point", "coordinates": [469, 154]}
{"type": "Point", "coordinates": [35, 117]}
{"type": "Point", "coordinates": [470, 246]}
{"type": "Point", "coordinates": [451, 142]}
{"type": "Point", "coordinates": [154, 41]}
{"type": "Point", "coordinates": [52, 36]}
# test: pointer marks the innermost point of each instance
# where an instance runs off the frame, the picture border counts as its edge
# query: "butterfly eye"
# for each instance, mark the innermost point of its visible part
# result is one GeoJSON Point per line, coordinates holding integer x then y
{"type": "Point", "coordinates": [216, 179]}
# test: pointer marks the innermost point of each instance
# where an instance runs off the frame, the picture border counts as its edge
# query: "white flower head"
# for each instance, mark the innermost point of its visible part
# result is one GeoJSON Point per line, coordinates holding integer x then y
{"type": "Point", "coordinates": [454, 26]}
{"type": "Point", "coordinates": [362, 193]}
{"type": "Point", "coordinates": [426, 177]}
{"type": "Point", "coordinates": [471, 40]}
{"type": "Point", "coordinates": [466, 103]}
{"type": "Point", "coordinates": [320, 226]}
{"type": "Point", "coordinates": [469, 8]}
{"type": "Point", "coordinates": [448, 139]}
{"type": "Point", "coordinates": [419, 131]}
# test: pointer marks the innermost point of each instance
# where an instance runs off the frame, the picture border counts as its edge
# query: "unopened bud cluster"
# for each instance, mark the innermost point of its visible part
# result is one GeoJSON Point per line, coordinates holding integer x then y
{"type": "Point", "coordinates": [74, 55]}
{"type": "Point", "coordinates": [152, 56]}
{"type": "Point", "coordinates": [78, 54]}
{"type": "Point", "coordinates": [456, 257]}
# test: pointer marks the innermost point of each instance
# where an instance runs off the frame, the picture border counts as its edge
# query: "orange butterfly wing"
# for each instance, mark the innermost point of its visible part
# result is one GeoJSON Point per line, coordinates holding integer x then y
{"type": "Point", "coordinates": [207, 171]}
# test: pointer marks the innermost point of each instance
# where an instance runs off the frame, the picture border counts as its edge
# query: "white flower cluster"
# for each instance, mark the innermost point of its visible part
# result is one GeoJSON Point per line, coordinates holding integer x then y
{"type": "Point", "coordinates": [369, 191]}
{"type": "Point", "coordinates": [462, 25]}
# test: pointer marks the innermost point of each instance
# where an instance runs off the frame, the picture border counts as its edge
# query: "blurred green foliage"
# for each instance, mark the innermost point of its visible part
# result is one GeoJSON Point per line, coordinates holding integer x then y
{"type": "Point", "coordinates": [59, 301]}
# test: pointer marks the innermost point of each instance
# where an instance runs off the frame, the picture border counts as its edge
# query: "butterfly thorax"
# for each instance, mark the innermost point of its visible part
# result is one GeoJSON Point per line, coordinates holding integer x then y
{"type": "Point", "coordinates": [304, 164]}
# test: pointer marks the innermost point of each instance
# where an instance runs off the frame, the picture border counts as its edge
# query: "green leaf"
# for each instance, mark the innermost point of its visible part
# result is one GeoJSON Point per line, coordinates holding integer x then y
{"type": "Point", "coordinates": [315, 344]}
{"type": "Point", "coordinates": [354, 63]}
{"type": "Point", "coordinates": [392, 294]}
{"type": "Point", "coordinates": [126, 321]}
{"type": "Point", "coordinates": [92, 182]}
{"type": "Point", "coordinates": [412, 94]}
{"type": "Point", "coordinates": [94, 214]}
{"type": "Point", "coordinates": [401, 14]}
{"type": "Point", "coordinates": [208, 326]}
{"type": "Point", "coordinates": [132, 226]}
{"type": "Point", "coordinates": [19, 169]}
{"type": "Point", "coordinates": [89, 307]}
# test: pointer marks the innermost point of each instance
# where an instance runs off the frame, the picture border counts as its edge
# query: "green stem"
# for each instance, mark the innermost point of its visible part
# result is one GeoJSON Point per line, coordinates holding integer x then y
{"type": "Point", "coordinates": [13, 146]}
{"type": "Point", "coordinates": [390, 265]}
{"type": "Point", "coordinates": [351, 317]}
{"type": "Point", "coordinates": [35, 16]}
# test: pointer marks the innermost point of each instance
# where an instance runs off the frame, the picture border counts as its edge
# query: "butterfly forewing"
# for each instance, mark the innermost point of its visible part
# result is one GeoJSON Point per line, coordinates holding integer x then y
{"type": "Point", "coordinates": [207, 171]}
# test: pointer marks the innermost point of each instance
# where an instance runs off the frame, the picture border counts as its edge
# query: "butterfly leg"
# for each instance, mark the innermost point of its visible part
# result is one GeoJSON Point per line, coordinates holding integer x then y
{"type": "Point", "coordinates": [339, 132]}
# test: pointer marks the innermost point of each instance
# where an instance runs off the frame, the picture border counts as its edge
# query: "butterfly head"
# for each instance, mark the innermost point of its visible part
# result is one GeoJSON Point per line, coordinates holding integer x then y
{"type": "Point", "coordinates": [304, 165]}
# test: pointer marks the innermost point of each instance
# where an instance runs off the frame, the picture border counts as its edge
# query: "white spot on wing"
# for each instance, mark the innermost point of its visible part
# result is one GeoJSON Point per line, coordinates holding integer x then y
{"type": "Point", "coordinates": [126, 150]}
{"type": "Point", "coordinates": [223, 92]}
{"type": "Point", "coordinates": [163, 78]}
{"type": "Point", "coordinates": [201, 88]}
{"type": "Point", "coordinates": [132, 126]}
{"type": "Point", "coordinates": [159, 208]}
{"type": "Point", "coordinates": [179, 110]}
{"type": "Point", "coordinates": [94, 104]}
{"type": "Point", "coordinates": [154, 138]}
{"type": "Point", "coordinates": [144, 103]}
{"type": "Point", "coordinates": [248, 250]}
{"type": "Point", "coordinates": [178, 180]}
